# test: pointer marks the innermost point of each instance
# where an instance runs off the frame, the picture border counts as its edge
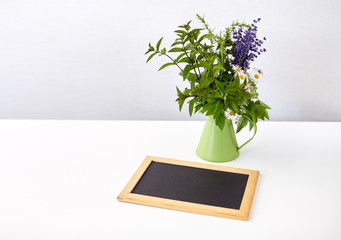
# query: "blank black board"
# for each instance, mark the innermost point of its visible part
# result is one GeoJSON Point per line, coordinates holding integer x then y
{"type": "Point", "coordinates": [191, 184]}
{"type": "Point", "coordinates": [192, 187]}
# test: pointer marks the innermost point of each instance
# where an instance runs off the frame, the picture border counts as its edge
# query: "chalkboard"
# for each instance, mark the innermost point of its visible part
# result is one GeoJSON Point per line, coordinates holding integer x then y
{"type": "Point", "coordinates": [194, 187]}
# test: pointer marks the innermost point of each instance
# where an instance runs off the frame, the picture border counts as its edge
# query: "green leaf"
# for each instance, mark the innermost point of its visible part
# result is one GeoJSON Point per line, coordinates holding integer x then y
{"type": "Point", "coordinates": [186, 71]}
{"type": "Point", "coordinates": [198, 107]}
{"type": "Point", "coordinates": [234, 107]}
{"type": "Point", "coordinates": [212, 100]}
{"type": "Point", "coordinates": [236, 82]}
{"type": "Point", "coordinates": [217, 94]}
{"type": "Point", "coordinates": [204, 64]}
{"type": "Point", "coordinates": [216, 69]}
{"type": "Point", "coordinates": [196, 30]}
{"type": "Point", "coordinates": [203, 37]}
{"type": "Point", "coordinates": [158, 44]}
{"type": "Point", "coordinates": [180, 99]}
{"type": "Point", "coordinates": [261, 111]}
{"type": "Point", "coordinates": [204, 96]}
{"type": "Point", "coordinates": [176, 43]}
{"type": "Point", "coordinates": [208, 107]}
{"type": "Point", "coordinates": [180, 31]}
{"type": "Point", "coordinates": [151, 48]}
{"type": "Point", "coordinates": [242, 122]}
{"type": "Point", "coordinates": [179, 92]}
{"type": "Point", "coordinates": [192, 54]}
{"type": "Point", "coordinates": [165, 65]}
{"type": "Point", "coordinates": [186, 92]}
{"type": "Point", "coordinates": [192, 77]}
{"type": "Point", "coordinates": [208, 81]}
{"type": "Point", "coordinates": [150, 57]}
{"type": "Point", "coordinates": [230, 90]}
{"type": "Point", "coordinates": [220, 121]}
{"type": "Point", "coordinates": [266, 106]}
{"type": "Point", "coordinates": [187, 26]}
{"type": "Point", "coordinates": [218, 109]}
{"type": "Point", "coordinates": [181, 37]}
{"type": "Point", "coordinates": [220, 85]}
{"type": "Point", "coordinates": [191, 106]}
{"type": "Point", "coordinates": [211, 110]}
{"type": "Point", "coordinates": [253, 118]}
{"type": "Point", "coordinates": [211, 59]}
{"type": "Point", "coordinates": [266, 114]}
{"type": "Point", "coordinates": [179, 57]}
{"type": "Point", "coordinates": [163, 51]}
{"type": "Point", "coordinates": [176, 50]}
{"type": "Point", "coordinates": [184, 59]}
{"type": "Point", "coordinates": [181, 103]}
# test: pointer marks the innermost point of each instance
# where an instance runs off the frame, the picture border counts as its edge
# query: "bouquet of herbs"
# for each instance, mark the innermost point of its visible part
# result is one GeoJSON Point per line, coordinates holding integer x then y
{"type": "Point", "coordinates": [217, 68]}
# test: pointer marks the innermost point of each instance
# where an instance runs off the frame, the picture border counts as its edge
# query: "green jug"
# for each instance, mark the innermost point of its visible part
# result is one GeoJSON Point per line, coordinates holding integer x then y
{"type": "Point", "coordinates": [218, 145]}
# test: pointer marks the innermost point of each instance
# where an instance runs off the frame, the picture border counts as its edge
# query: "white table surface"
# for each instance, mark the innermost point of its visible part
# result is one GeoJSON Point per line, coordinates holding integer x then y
{"type": "Point", "coordinates": [60, 180]}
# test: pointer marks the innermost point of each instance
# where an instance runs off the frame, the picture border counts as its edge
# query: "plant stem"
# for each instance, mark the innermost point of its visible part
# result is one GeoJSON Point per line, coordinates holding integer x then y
{"type": "Point", "coordinates": [195, 57]}
{"type": "Point", "coordinates": [171, 59]}
{"type": "Point", "coordinates": [196, 61]}
{"type": "Point", "coordinates": [222, 51]}
{"type": "Point", "coordinates": [184, 49]}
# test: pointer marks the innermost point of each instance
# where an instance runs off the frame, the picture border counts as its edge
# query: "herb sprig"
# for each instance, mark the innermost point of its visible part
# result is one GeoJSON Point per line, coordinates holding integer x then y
{"type": "Point", "coordinates": [217, 69]}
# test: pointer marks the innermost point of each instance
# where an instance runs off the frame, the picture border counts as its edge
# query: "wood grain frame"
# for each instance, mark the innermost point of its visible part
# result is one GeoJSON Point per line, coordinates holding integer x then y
{"type": "Point", "coordinates": [242, 214]}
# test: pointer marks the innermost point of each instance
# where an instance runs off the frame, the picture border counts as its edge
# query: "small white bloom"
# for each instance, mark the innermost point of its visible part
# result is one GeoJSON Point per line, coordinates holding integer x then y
{"type": "Point", "coordinates": [256, 74]}
{"type": "Point", "coordinates": [240, 72]}
{"type": "Point", "coordinates": [237, 69]}
{"type": "Point", "coordinates": [242, 77]}
{"type": "Point", "coordinates": [231, 115]}
{"type": "Point", "coordinates": [248, 87]}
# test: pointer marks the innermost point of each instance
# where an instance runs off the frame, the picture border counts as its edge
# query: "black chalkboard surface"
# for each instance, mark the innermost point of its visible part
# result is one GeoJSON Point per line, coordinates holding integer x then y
{"type": "Point", "coordinates": [193, 187]}
{"type": "Point", "coordinates": [190, 184]}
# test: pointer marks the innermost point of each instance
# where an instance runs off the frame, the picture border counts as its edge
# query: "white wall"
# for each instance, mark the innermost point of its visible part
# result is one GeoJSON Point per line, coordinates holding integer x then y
{"type": "Point", "coordinates": [84, 59]}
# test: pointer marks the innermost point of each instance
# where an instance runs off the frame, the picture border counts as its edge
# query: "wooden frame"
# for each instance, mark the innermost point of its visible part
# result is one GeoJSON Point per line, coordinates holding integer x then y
{"type": "Point", "coordinates": [241, 214]}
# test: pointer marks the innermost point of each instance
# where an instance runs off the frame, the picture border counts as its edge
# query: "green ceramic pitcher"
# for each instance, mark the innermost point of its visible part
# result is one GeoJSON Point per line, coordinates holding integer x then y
{"type": "Point", "coordinates": [218, 145]}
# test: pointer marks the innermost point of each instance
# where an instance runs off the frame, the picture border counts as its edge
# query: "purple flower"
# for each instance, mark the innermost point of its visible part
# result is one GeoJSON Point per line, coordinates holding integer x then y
{"type": "Point", "coordinates": [246, 46]}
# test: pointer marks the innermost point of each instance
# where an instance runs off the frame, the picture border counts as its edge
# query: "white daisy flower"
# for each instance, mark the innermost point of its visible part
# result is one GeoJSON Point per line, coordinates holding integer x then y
{"type": "Point", "coordinates": [231, 115]}
{"type": "Point", "coordinates": [240, 72]}
{"type": "Point", "coordinates": [242, 77]}
{"type": "Point", "coordinates": [237, 69]}
{"type": "Point", "coordinates": [256, 74]}
{"type": "Point", "coordinates": [248, 87]}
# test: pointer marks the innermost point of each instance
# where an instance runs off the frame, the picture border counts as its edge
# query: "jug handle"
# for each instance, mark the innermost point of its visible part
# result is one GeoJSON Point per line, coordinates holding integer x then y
{"type": "Point", "coordinates": [255, 131]}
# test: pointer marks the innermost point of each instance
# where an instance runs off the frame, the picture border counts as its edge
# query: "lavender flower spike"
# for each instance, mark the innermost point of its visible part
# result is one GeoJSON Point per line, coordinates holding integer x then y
{"type": "Point", "coordinates": [246, 46]}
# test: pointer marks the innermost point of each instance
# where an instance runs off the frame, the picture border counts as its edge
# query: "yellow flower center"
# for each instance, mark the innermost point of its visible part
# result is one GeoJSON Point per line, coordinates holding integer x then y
{"type": "Point", "coordinates": [256, 76]}
{"type": "Point", "coordinates": [231, 113]}
{"type": "Point", "coordinates": [241, 76]}
{"type": "Point", "coordinates": [238, 69]}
